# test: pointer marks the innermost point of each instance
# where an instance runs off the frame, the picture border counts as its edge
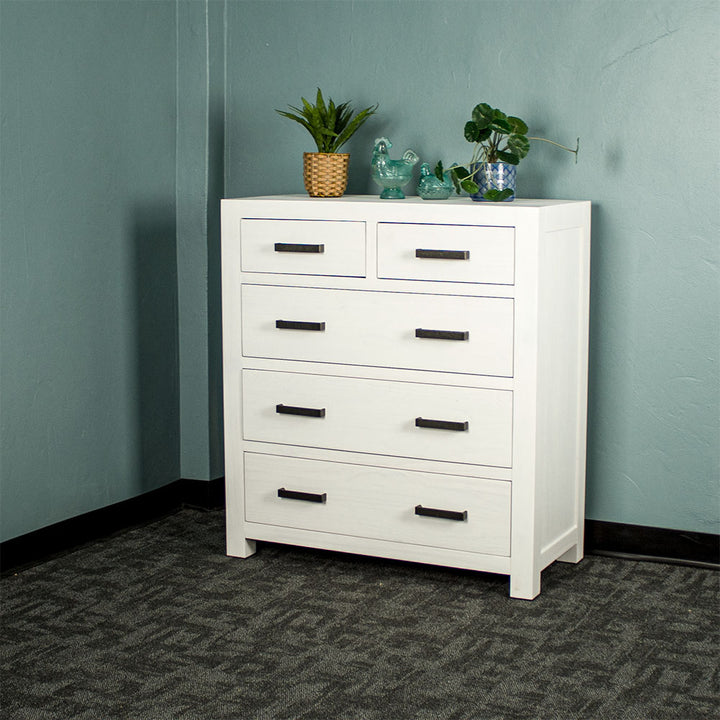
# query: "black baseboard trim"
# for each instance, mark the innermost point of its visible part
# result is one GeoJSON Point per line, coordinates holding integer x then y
{"type": "Point", "coordinates": [203, 494]}
{"type": "Point", "coordinates": [633, 542]}
{"type": "Point", "coordinates": [638, 542]}
{"type": "Point", "coordinates": [35, 547]}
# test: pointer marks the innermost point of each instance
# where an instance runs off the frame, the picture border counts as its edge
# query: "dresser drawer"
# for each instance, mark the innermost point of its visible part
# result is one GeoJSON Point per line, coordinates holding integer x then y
{"type": "Point", "coordinates": [304, 247]}
{"type": "Point", "coordinates": [379, 503]}
{"type": "Point", "coordinates": [404, 330]}
{"type": "Point", "coordinates": [447, 253]}
{"type": "Point", "coordinates": [406, 419]}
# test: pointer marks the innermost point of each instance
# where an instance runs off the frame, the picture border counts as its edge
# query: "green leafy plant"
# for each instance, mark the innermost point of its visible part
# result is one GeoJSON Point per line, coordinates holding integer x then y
{"type": "Point", "coordinates": [496, 137]}
{"type": "Point", "coordinates": [330, 125]}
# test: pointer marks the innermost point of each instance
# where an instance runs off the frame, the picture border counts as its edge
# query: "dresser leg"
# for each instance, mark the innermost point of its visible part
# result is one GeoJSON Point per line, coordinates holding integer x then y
{"type": "Point", "coordinates": [241, 547]}
{"type": "Point", "coordinates": [573, 555]}
{"type": "Point", "coordinates": [525, 586]}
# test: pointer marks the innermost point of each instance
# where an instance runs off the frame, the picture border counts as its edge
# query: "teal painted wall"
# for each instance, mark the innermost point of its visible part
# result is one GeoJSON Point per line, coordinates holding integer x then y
{"type": "Point", "coordinates": [200, 183]}
{"type": "Point", "coordinates": [112, 169]}
{"type": "Point", "coordinates": [124, 121]}
{"type": "Point", "coordinates": [88, 325]}
{"type": "Point", "coordinates": [638, 81]}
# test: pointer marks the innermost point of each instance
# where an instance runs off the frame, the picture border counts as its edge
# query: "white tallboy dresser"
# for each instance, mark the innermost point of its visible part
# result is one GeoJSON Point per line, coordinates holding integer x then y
{"type": "Point", "coordinates": [408, 379]}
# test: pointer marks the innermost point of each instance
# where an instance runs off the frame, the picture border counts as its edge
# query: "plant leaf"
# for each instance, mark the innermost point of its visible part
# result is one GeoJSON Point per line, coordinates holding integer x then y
{"type": "Point", "coordinates": [469, 186]}
{"type": "Point", "coordinates": [455, 179]}
{"type": "Point", "coordinates": [472, 131]}
{"type": "Point", "coordinates": [344, 111]}
{"type": "Point", "coordinates": [352, 127]}
{"type": "Point", "coordinates": [496, 195]}
{"type": "Point", "coordinates": [320, 104]}
{"type": "Point", "coordinates": [501, 125]}
{"type": "Point", "coordinates": [331, 115]}
{"type": "Point", "coordinates": [296, 118]}
{"type": "Point", "coordinates": [330, 125]}
{"type": "Point", "coordinates": [316, 128]}
{"type": "Point", "coordinates": [439, 171]}
{"type": "Point", "coordinates": [302, 121]}
{"type": "Point", "coordinates": [307, 107]}
{"type": "Point", "coordinates": [483, 115]}
{"type": "Point", "coordinates": [507, 157]}
{"type": "Point", "coordinates": [518, 145]}
{"type": "Point", "coordinates": [518, 126]}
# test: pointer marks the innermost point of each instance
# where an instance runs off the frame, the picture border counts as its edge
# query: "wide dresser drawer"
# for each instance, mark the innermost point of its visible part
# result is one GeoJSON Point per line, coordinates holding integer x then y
{"type": "Point", "coordinates": [459, 513]}
{"type": "Point", "coordinates": [404, 330]}
{"type": "Point", "coordinates": [447, 253]}
{"type": "Point", "coordinates": [303, 247]}
{"type": "Point", "coordinates": [404, 419]}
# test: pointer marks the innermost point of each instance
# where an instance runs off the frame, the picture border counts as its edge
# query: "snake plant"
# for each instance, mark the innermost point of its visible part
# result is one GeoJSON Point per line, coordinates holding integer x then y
{"type": "Point", "coordinates": [330, 125]}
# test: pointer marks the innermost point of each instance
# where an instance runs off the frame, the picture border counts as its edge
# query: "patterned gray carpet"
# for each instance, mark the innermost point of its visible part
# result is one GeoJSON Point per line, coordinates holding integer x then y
{"type": "Point", "coordinates": [156, 623]}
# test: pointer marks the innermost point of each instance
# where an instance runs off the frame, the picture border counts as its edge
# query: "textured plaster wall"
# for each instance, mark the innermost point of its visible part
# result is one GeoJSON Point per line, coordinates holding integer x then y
{"type": "Point", "coordinates": [112, 170]}
{"type": "Point", "coordinates": [638, 81]}
{"type": "Point", "coordinates": [88, 269]}
{"type": "Point", "coordinates": [200, 138]}
{"type": "Point", "coordinates": [121, 120]}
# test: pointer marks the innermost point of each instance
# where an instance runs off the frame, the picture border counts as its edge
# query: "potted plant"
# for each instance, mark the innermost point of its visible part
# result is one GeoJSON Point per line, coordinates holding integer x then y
{"type": "Point", "coordinates": [331, 126]}
{"type": "Point", "coordinates": [501, 142]}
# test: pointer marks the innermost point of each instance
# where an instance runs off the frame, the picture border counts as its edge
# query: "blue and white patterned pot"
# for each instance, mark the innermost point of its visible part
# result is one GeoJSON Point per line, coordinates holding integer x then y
{"type": "Point", "coordinates": [494, 176]}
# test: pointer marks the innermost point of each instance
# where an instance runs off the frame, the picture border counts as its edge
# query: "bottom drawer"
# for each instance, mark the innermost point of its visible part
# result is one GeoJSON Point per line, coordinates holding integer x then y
{"type": "Point", "coordinates": [444, 511]}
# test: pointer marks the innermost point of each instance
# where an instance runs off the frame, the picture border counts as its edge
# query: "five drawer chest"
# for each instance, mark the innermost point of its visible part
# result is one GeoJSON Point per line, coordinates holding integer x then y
{"type": "Point", "coordinates": [407, 379]}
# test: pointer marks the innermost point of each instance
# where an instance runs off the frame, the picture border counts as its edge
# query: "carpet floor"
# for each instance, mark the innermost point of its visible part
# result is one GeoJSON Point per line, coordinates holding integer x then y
{"type": "Point", "coordinates": [156, 623]}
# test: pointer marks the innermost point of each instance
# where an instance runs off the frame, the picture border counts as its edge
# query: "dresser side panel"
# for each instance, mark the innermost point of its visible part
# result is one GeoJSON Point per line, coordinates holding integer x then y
{"type": "Point", "coordinates": [562, 386]}
{"type": "Point", "coordinates": [525, 557]}
{"type": "Point", "coordinates": [237, 544]}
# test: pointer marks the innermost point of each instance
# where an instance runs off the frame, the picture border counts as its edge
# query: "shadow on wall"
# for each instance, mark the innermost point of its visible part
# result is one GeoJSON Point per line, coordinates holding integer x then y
{"type": "Point", "coordinates": [156, 331]}
{"type": "Point", "coordinates": [360, 148]}
{"type": "Point", "coordinates": [216, 188]}
{"type": "Point", "coordinates": [597, 380]}
{"type": "Point", "coordinates": [531, 182]}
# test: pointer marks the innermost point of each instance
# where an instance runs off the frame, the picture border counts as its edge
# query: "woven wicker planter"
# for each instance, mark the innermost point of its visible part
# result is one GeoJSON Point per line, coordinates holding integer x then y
{"type": "Point", "coordinates": [325, 174]}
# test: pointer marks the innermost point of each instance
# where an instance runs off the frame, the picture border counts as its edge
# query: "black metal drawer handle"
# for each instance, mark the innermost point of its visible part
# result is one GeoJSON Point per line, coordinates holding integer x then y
{"type": "Point", "coordinates": [300, 325]}
{"type": "Point", "coordinates": [443, 254]}
{"type": "Point", "coordinates": [460, 515]}
{"type": "Point", "coordinates": [298, 495]}
{"type": "Point", "coordinates": [442, 424]}
{"type": "Point", "coordinates": [293, 410]}
{"type": "Point", "coordinates": [442, 334]}
{"type": "Point", "coordinates": [299, 248]}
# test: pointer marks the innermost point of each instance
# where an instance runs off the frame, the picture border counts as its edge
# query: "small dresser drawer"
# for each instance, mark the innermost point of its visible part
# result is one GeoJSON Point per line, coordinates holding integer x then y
{"type": "Point", "coordinates": [303, 247]}
{"type": "Point", "coordinates": [446, 253]}
{"type": "Point", "coordinates": [406, 419]}
{"type": "Point", "coordinates": [457, 513]}
{"type": "Point", "coordinates": [446, 333]}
